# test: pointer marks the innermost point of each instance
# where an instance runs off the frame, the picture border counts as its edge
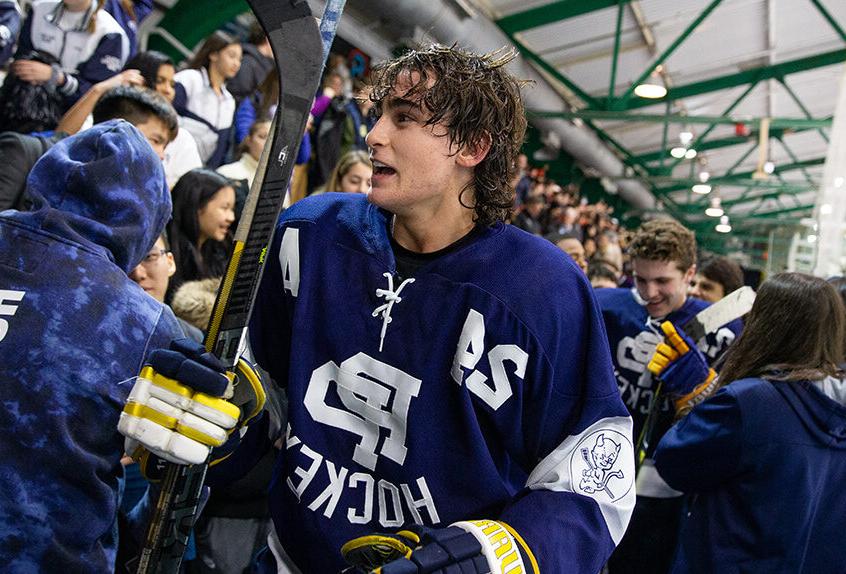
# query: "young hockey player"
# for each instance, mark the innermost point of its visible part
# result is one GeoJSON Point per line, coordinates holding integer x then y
{"type": "Point", "coordinates": [443, 368]}
{"type": "Point", "coordinates": [73, 330]}
{"type": "Point", "coordinates": [764, 457]}
{"type": "Point", "coordinates": [663, 256]}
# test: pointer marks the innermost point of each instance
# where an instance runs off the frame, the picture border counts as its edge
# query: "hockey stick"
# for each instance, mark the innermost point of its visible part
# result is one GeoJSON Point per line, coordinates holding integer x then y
{"type": "Point", "coordinates": [300, 51]}
{"type": "Point", "coordinates": [731, 307]}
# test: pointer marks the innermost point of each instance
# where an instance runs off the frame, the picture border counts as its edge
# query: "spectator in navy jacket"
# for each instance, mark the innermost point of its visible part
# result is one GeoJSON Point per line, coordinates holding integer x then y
{"type": "Point", "coordinates": [10, 27]}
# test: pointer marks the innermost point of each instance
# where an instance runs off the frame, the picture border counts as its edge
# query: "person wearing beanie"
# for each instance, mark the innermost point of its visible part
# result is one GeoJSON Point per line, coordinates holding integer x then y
{"type": "Point", "coordinates": [74, 332]}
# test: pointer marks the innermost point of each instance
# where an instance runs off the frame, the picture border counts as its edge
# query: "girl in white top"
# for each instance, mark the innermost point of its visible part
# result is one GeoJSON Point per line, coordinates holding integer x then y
{"type": "Point", "coordinates": [205, 106]}
{"type": "Point", "coordinates": [245, 167]}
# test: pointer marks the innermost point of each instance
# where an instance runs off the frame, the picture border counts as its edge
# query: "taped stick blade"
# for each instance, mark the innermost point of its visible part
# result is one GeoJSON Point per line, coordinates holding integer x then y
{"type": "Point", "coordinates": [733, 306]}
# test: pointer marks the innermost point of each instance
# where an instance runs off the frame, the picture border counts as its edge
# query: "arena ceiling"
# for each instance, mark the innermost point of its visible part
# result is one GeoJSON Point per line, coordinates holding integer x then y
{"type": "Point", "coordinates": [732, 70]}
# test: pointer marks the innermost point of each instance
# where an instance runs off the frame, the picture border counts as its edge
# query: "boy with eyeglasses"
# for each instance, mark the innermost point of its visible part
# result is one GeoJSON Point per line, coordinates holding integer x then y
{"type": "Point", "coordinates": [153, 275]}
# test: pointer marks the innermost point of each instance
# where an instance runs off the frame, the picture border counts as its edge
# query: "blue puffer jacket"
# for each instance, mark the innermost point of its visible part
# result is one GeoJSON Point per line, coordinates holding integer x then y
{"type": "Point", "coordinates": [74, 331]}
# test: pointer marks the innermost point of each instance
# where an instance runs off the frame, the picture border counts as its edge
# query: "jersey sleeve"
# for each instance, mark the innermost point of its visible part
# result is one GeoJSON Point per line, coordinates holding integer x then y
{"type": "Point", "coordinates": [579, 496]}
{"type": "Point", "coordinates": [704, 448]}
{"type": "Point", "coordinates": [10, 27]}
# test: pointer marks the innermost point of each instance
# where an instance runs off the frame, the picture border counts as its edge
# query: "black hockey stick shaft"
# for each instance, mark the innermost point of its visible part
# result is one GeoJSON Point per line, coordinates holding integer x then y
{"type": "Point", "coordinates": [300, 55]}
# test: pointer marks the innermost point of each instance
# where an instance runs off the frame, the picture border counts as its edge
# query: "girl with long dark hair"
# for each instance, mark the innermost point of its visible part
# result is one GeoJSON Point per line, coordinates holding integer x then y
{"type": "Point", "coordinates": [202, 100]}
{"type": "Point", "coordinates": [764, 457]}
{"type": "Point", "coordinates": [200, 234]}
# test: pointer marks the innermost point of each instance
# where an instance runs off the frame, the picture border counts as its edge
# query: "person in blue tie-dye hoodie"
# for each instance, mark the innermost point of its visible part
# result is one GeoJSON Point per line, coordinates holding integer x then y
{"type": "Point", "coordinates": [74, 332]}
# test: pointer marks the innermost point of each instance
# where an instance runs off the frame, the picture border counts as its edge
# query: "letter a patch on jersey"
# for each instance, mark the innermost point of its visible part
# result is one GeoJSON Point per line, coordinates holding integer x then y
{"type": "Point", "coordinates": [289, 260]}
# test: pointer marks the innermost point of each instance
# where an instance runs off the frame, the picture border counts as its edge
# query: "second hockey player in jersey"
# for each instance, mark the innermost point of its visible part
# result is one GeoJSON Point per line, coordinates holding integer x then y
{"type": "Point", "coordinates": [663, 256]}
{"type": "Point", "coordinates": [452, 398]}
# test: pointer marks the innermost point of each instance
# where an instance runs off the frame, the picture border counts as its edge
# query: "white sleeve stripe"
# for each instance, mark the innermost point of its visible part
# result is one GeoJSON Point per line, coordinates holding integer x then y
{"type": "Point", "coordinates": [597, 463]}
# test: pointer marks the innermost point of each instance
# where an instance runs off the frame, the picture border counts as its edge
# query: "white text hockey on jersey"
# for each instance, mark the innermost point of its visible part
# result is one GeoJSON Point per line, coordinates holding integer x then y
{"type": "Point", "coordinates": [391, 501]}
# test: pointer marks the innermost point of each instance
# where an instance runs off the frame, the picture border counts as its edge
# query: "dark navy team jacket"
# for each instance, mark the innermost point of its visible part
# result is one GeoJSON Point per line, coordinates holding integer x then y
{"type": "Point", "coordinates": [765, 463]}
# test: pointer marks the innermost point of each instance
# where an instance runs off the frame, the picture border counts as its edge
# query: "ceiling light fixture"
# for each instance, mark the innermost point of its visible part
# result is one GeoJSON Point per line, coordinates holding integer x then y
{"type": "Point", "coordinates": [686, 137]}
{"type": "Point", "coordinates": [690, 154]}
{"type": "Point", "coordinates": [651, 89]}
{"type": "Point", "coordinates": [715, 210]}
{"type": "Point", "coordinates": [678, 152]}
{"type": "Point", "coordinates": [701, 188]}
{"type": "Point", "coordinates": [704, 176]}
{"type": "Point", "coordinates": [723, 226]}
{"type": "Point", "coordinates": [769, 167]}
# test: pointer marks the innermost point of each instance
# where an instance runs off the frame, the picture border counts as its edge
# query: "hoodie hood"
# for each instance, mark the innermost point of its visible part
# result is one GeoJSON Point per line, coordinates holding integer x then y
{"type": "Point", "coordinates": [103, 188]}
{"type": "Point", "coordinates": [820, 406]}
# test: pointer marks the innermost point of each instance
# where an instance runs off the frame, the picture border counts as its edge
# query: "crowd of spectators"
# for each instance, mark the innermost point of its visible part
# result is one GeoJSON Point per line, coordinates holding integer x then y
{"type": "Point", "coordinates": [588, 232]}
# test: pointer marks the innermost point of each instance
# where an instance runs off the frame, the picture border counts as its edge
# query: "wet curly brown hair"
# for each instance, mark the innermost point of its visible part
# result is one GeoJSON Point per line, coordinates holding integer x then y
{"type": "Point", "coordinates": [478, 102]}
{"type": "Point", "coordinates": [664, 240]}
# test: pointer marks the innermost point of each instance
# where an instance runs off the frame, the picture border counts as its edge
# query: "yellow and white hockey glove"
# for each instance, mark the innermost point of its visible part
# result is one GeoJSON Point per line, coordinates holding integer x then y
{"type": "Point", "coordinates": [175, 410]}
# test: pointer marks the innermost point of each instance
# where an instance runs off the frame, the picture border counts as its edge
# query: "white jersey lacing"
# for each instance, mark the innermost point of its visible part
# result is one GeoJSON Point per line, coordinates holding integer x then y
{"type": "Point", "coordinates": [385, 309]}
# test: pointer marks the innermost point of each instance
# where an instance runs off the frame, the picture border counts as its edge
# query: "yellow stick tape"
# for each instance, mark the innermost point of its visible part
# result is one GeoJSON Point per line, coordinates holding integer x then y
{"type": "Point", "coordinates": [221, 405]}
{"type": "Point", "coordinates": [223, 296]}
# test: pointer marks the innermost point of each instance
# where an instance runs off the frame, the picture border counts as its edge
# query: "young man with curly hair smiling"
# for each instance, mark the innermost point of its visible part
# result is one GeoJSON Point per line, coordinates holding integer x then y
{"type": "Point", "coordinates": [449, 378]}
{"type": "Point", "coordinates": [663, 255]}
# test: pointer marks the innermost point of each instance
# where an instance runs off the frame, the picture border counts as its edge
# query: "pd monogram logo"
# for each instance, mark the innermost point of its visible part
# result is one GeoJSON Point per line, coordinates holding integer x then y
{"type": "Point", "coordinates": [376, 397]}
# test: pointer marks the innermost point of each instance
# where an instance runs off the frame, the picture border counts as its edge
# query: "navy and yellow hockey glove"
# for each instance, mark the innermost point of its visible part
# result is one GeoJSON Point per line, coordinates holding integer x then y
{"type": "Point", "coordinates": [176, 412]}
{"type": "Point", "coordinates": [472, 547]}
{"type": "Point", "coordinates": [682, 366]}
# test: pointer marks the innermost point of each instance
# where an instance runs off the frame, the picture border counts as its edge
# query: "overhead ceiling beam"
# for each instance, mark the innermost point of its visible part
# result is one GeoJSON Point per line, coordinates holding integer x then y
{"type": "Point", "coordinates": [704, 146]}
{"type": "Point", "coordinates": [702, 137]}
{"type": "Point", "coordinates": [777, 212]}
{"type": "Point", "coordinates": [604, 115]}
{"type": "Point", "coordinates": [786, 190]}
{"type": "Point", "coordinates": [621, 101]}
{"type": "Point", "coordinates": [737, 178]}
{"type": "Point", "coordinates": [830, 19]}
{"type": "Point", "coordinates": [781, 191]}
{"type": "Point", "coordinates": [742, 78]}
{"type": "Point", "coordinates": [802, 107]}
{"type": "Point", "coordinates": [589, 100]}
{"type": "Point", "coordinates": [549, 13]}
{"type": "Point", "coordinates": [730, 181]}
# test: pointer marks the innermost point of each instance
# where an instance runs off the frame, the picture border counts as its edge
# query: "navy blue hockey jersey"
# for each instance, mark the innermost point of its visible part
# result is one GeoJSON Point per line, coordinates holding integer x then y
{"type": "Point", "coordinates": [633, 336]}
{"type": "Point", "coordinates": [481, 389]}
